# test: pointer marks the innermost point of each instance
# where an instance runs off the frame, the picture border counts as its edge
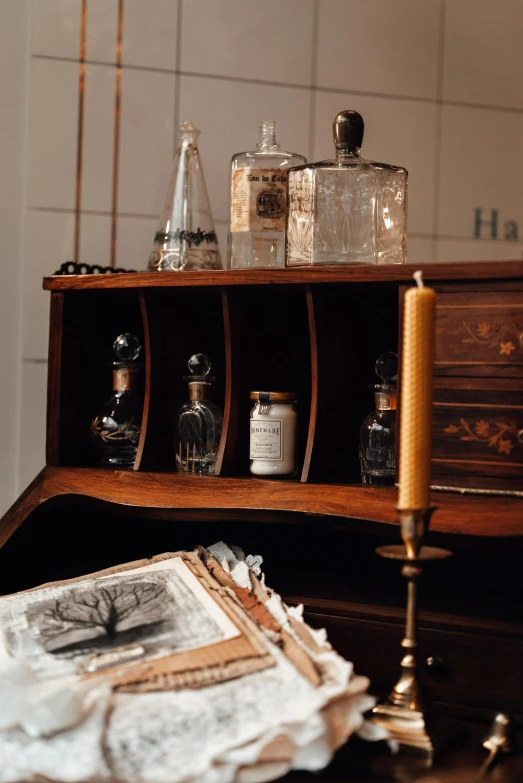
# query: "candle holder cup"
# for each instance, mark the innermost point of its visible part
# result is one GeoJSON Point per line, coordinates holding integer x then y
{"type": "Point", "coordinates": [405, 714]}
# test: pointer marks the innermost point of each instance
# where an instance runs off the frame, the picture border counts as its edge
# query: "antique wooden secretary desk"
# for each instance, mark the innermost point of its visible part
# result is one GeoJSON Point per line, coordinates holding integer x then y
{"type": "Point", "coordinates": [316, 332]}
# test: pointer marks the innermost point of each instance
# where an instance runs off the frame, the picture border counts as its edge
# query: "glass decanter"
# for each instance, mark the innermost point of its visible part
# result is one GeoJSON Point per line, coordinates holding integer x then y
{"type": "Point", "coordinates": [347, 210]}
{"type": "Point", "coordinates": [378, 431]}
{"type": "Point", "coordinates": [186, 238]}
{"type": "Point", "coordinates": [198, 422]}
{"type": "Point", "coordinates": [115, 430]}
{"type": "Point", "coordinates": [258, 203]}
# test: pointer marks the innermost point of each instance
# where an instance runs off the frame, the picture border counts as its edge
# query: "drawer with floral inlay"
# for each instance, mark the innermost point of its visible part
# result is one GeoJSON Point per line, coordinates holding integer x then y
{"type": "Point", "coordinates": [478, 434]}
{"type": "Point", "coordinates": [479, 332]}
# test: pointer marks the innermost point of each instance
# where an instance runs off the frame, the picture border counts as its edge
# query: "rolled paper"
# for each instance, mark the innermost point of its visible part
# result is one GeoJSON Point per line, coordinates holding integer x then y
{"type": "Point", "coordinates": [417, 361]}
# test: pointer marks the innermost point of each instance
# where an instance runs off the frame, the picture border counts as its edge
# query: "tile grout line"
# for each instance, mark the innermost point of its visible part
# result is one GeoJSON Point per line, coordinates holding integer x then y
{"type": "Point", "coordinates": [224, 222]}
{"type": "Point", "coordinates": [290, 85]}
{"type": "Point", "coordinates": [96, 212]}
{"type": "Point", "coordinates": [24, 243]}
{"type": "Point", "coordinates": [314, 77]}
{"type": "Point", "coordinates": [439, 123]}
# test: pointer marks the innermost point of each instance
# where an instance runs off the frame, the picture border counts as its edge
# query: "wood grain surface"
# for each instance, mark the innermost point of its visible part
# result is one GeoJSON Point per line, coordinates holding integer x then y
{"type": "Point", "coordinates": [492, 270]}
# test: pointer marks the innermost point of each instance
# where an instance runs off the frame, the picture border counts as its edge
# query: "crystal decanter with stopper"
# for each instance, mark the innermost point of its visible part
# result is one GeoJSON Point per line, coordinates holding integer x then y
{"type": "Point", "coordinates": [186, 238]}
{"type": "Point", "coordinates": [259, 202]}
{"type": "Point", "coordinates": [198, 422]}
{"type": "Point", "coordinates": [347, 210]}
{"type": "Point", "coordinates": [378, 431]}
{"type": "Point", "coordinates": [115, 430]}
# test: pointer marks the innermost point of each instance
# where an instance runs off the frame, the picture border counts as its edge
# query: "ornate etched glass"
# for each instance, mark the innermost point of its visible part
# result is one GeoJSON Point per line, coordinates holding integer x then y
{"type": "Point", "coordinates": [186, 238]}
{"type": "Point", "coordinates": [347, 210]}
{"type": "Point", "coordinates": [198, 422]}
{"type": "Point", "coordinates": [115, 430]}
{"type": "Point", "coordinates": [378, 431]}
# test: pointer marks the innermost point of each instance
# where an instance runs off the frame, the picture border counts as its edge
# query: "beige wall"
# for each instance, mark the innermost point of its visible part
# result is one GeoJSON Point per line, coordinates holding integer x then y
{"type": "Point", "coordinates": [438, 83]}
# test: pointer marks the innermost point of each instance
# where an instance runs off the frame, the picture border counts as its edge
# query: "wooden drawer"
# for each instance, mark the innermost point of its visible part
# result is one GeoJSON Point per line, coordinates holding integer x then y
{"type": "Point", "coordinates": [478, 435]}
{"type": "Point", "coordinates": [478, 332]}
{"type": "Point", "coordinates": [468, 669]}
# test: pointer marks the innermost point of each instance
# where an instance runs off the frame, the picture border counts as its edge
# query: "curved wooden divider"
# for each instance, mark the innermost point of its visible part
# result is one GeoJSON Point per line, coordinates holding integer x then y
{"type": "Point", "coordinates": [229, 426]}
{"type": "Point", "coordinates": [313, 412]}
{"type": "Point", "coordinates": [147, 380]}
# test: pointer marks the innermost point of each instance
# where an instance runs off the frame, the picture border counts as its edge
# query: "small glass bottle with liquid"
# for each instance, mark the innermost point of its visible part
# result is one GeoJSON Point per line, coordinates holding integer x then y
{"type": "Point", "coordinates": [259, 203]}
{"type": "Point", "coordinates": [198, 422]}
{"type": "Point", "coordinates": [115, 430]}
{"type": "Point", "coordinates": [378, 431]}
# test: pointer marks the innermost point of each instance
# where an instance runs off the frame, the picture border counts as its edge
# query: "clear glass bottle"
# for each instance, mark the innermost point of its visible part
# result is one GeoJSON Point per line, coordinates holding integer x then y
{"type": "Point", "coordinates": [198, 422]}
{"type": "Point", "coordinates": [186, 238]}
{"type": "Point", "coordinates": [115, 430]}
{"type": "Point", "coordinates": [347, 210]}
{"type": "Point", "coordinates": [258, 203]}
{"type": "Point", "coordinates": [378, 431]}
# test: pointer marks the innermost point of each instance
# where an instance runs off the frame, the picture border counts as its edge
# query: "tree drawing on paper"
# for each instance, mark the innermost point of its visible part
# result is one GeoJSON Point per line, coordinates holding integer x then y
{"type": "Point", "coordinates": [103, 616]}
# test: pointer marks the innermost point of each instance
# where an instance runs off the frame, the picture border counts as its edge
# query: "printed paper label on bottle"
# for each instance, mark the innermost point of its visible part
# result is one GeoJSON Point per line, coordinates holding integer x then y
{"type": "Point", "coordinates": [266, 439]}
{"type": "Point", "coordinates": [258, 199]}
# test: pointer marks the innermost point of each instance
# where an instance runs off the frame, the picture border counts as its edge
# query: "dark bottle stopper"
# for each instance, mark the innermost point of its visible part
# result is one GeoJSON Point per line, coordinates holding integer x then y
{"type": "Point", "coordinates": [127, 348]}
{"type": "Point", "coordinates": [348, 129]}
{"type": "Point", "coordinates": [386, 367]}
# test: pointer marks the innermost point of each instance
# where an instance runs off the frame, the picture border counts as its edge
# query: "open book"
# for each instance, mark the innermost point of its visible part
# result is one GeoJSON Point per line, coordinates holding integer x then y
{"type": "Point", "coordinates": [182, 667]}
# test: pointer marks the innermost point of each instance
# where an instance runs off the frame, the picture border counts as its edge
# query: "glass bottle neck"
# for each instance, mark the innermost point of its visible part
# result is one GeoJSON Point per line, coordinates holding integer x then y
{"type": "Point", "coordinates": [198, 390]}
{"type": "Point", "coordinates": [123, 378]}
{"type": "Point", "coordinates": [385, 400]}
{"type": "Point", "coordinates": [268, 136]}
{"type": "Point", "coordinates": [347, 154]}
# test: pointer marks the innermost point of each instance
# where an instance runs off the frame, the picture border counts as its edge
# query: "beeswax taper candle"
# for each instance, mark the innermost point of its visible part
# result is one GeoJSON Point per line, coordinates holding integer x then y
{"type": "Point", "coordinates": [416, 396]}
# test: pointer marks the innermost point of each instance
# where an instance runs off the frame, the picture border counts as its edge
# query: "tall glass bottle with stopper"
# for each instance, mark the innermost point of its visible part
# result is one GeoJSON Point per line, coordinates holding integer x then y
{"type": "Point", "coordinates": [198, 422]}
{"type": "Point", "coordinates": [378, 431]}
{"type": "Point", "coordinates": [347, 210]}
{"type": "Point", "coordinates": [186, 238]}
{"type": "Point", "coordinates": [258, 202]}
{"type": "Point", "coordinates": [115, 430]}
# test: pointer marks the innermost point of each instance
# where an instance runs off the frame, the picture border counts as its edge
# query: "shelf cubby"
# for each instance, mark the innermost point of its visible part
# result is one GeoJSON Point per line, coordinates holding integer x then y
{"type": "Point", "coordinates": [178, 323]}
{"type": "Point", "coordinates": [270, 350]}
{"type": "Point", "coordinates": [83, 329]}
{"type": "Point", "coordinates": [353, 326]}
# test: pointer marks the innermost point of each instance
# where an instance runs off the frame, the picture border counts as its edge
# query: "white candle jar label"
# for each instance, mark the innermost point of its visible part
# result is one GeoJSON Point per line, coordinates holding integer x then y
{"type": "Point", "coordinates": [273, 434]}
{"type": "Point", "coordinates": [266, 439]}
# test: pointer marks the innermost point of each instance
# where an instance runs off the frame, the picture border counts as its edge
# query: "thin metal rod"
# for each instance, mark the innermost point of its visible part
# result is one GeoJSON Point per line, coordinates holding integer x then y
{"type": "Point", "coordinates": [80, 133]}
{"type": "Point", "coordinates": [116, 139]}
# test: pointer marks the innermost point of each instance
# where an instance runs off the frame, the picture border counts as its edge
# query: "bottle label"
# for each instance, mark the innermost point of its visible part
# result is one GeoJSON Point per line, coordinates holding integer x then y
{"type": "Point", "coordinates": [266, 439]}
{"type": "Point", "coordinates": [258, 199]}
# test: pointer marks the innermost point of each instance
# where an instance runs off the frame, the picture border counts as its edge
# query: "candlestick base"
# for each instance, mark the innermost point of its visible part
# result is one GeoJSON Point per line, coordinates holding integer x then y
{"type": "Point", "coordinates": [417, 732]}
{"type": "Point", "coordinates": [404, 714]}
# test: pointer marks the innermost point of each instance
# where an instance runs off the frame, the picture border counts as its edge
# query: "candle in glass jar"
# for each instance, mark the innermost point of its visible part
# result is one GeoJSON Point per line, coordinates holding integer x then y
{"type": "Point", "coordinates": [273, 434]}
{"type": "Point", "coordinates": [416, 396]}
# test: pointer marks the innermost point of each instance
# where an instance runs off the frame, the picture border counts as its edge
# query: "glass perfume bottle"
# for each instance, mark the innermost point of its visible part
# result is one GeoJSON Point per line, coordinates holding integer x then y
{"type": "Point", "coordinates": [115, 430]}
{"type": "Point", "coordinates": [186, 238]}
{"type": "Point", "coordinates": [198, 422]}
{"type": "Point", "coordinates": [347, 210]}
{"type": "Point", "coordinates": [258, 203]}
{"type": "Point", "coordinates": [378, 431]}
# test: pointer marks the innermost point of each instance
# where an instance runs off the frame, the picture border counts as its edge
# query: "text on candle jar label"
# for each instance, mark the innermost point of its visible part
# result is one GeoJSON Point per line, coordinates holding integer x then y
{"type": "Point", "coordinates": [266, 439]}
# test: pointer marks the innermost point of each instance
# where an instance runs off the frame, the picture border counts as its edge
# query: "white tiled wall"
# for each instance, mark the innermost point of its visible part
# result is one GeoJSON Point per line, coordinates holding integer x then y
{"type": "Point", "coordinates": [438, 83]}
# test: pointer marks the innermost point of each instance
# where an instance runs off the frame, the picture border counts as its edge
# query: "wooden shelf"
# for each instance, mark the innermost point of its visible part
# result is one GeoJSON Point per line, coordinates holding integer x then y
{"type": "Point", "coordinates": [178, 496]}
{"type": "Point", "coordinates": [491, 270]}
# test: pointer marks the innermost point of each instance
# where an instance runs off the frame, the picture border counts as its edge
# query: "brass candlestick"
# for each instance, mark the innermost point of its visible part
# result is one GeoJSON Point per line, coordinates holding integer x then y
{"type": "Point", "coordinates": [405, 713]}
